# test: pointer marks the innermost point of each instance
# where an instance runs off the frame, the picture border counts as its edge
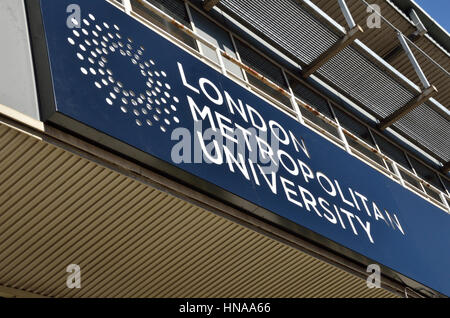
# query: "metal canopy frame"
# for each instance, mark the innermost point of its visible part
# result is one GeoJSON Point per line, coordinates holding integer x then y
{"type": "Point", "coordinates": [417, 93]}
{"type": "Point", "coordinates": [354, 32]}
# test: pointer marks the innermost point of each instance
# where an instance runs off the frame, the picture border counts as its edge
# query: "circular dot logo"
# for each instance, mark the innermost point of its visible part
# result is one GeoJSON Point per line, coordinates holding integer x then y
{"type": "Point", "coordinates": [93, 43]}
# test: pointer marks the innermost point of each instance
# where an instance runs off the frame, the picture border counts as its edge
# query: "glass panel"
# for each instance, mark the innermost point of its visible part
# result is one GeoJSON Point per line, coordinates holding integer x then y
{"type": "Point", "coordinates": [269, 90]}
{"type": "Point", "coordinates": [426, 173]}
{"type": "Point", "coordinates": [392, 151]}
{"type": "Point", "coordinates": [354, 126]}
{"type": "Point", "coordinates": [217, 36]}
{"type": "Point", "coordinates": [266, 68]}
{"type": "Point", "coordinates": [367, 152]}
{"type": "Point", "coordinates": [175, 9]}
{"type": "Point", "coordinates": [310, 97]}
{"type": "Point", "coordinates": [316, 101]}
{"type": "Point", "coordinates": [319, 122]}
{"type": "Point", "coordinates": [360, 131]}
{"type": "Point", "coordinates": [434, 194]}
{"type": "Point", "coordinates": [409, 179]}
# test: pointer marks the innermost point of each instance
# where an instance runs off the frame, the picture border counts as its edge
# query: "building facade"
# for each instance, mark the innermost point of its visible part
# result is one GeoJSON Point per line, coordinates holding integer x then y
{"type": "Point", "coordinates": [170, 148]}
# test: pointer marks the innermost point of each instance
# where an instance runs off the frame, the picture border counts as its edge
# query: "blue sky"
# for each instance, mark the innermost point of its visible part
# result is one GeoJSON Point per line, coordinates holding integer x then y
{"type": "Point", "coordinates": [439, 10]}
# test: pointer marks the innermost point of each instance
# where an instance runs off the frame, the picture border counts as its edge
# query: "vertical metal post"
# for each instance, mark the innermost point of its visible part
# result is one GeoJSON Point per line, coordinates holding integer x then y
{"type": "Point", "coordinates": [442, 196]}
{"type": "Point", "coordinates": [397, 172]}
{"type": "Point", "coordinates": [442, 182]}
{"type": "Point", "coordinates": [348, 16]}
{"type": "Point", "coordinates": [292, 99]}
{"type": "Point", "coordinates": [238, 57]}
{"type": "Point", "coordinates": [221, 62]}
{"type": "Point", "coordinates": [413, 61]}
{"type": "Point", "coordinates": [443, 193]}
{"type": "Point", "coordinates": [378, 148]}
{"type": "Point", "coordinates": [415, 173]}
{"type": "Point", "coordinates": [340, 131]}
{"type": "Point", "coordinates": [194, 28]}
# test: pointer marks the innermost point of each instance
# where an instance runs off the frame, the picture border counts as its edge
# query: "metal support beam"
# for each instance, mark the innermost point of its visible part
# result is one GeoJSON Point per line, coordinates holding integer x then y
{"type": "Point", "coordinates": [395, 52]}
{"type": "Point", "coordinates": [351, 36]}
{"type": "Point", "coordinates": [413, 37]}
{"type": "Point", "coordinates": [402, 111]}
{"type": "Point", "coordinates": [413, 61]}
{"type": "Point", "coordinates": [446, 168]}
{"type": "Point", "coordinates": [347, 15]}
{"type": "Point", "coordinates": [209, 4]}
{"type": "Point", "coordinates": [419, 25]}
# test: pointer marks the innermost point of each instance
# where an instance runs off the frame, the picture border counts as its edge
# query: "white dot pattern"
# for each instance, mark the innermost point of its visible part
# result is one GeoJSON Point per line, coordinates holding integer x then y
{"type": "Point", "coordinates": [156, 106]}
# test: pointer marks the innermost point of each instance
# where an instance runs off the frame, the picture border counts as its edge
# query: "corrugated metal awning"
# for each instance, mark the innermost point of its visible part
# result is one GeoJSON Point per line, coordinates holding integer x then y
{"type": "Point", "coordinates": [58, 207]}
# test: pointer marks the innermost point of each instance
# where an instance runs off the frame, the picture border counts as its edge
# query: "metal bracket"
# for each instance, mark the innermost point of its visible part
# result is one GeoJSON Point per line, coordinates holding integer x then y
{"type": "Point", "coordinates": [410, 106]}
{"type": "Point", "coordinates": [347, 15]}
{"type": "Point", "coordinates": [351, 36]}
{"type": "Point", "coordinates": [419, 25]}
{"type": "Point", "coordinates": [395, 52]}
{"type": "Point", "coordinates": [413, 37]}
{"type": "Point", "coordinates": [413, 61]}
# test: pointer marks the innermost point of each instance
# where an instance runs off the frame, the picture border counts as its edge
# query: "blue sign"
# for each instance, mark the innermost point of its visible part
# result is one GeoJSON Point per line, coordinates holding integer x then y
{"type": "Point", "coordinates": [119, 80]}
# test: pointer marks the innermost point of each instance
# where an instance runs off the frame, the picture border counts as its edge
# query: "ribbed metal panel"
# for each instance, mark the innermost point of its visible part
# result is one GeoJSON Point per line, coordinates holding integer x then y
{"type": "Point", "coordinates": [132, 240]}
{"type": "Point", "coordinates": [428, 128]}
{"type": "Point", "coordinates": [367, 83]}
{"type": "Point", "coordinates": [381, 41]}
{"type": "Point", "coordinates": [270, 17]}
